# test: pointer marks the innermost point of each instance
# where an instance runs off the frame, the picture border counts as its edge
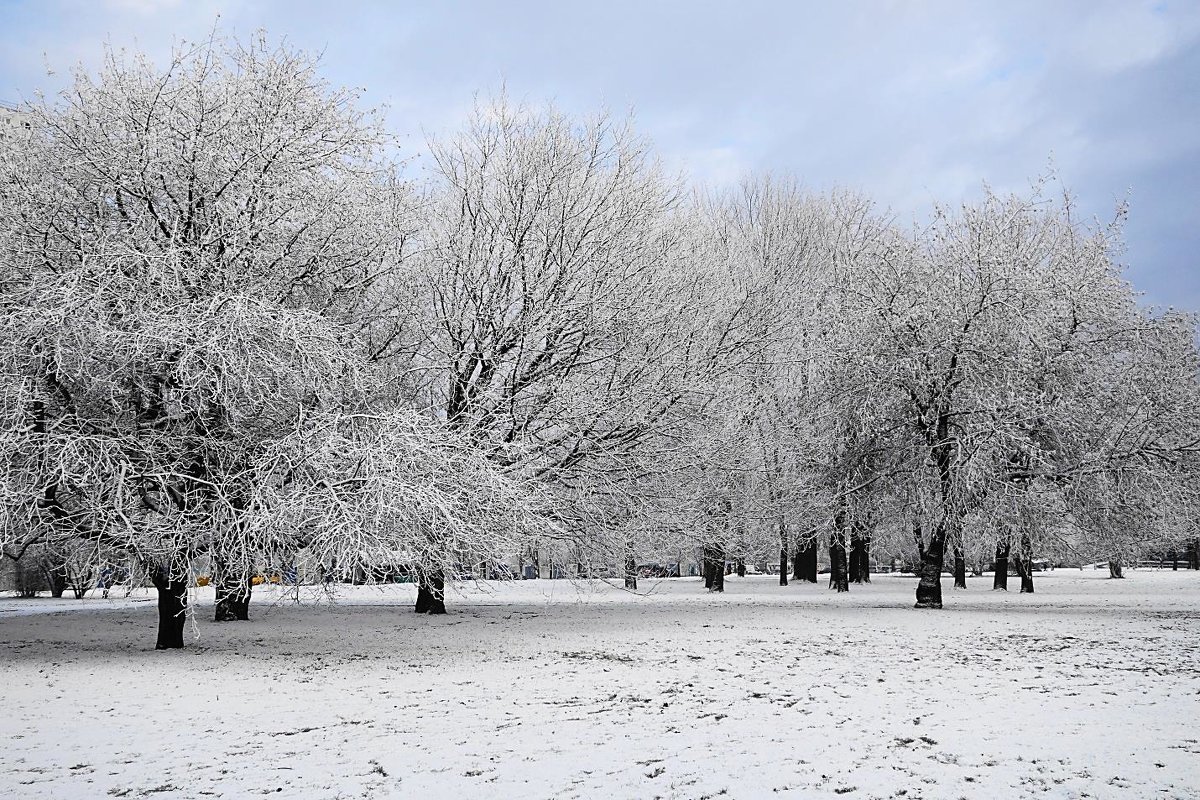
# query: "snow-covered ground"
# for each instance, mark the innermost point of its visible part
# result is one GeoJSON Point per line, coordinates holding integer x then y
{"type": "Point", "coordinates": [546, 689]}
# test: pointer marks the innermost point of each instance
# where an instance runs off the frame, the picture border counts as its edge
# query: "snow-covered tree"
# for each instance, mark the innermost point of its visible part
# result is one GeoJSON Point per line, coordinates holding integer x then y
{"type": "Point", "coordinates": [183, 254]}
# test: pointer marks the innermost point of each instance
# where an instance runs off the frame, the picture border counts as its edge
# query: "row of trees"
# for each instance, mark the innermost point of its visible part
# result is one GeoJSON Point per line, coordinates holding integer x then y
{"type": "Point", "coordinates": [233, 328]}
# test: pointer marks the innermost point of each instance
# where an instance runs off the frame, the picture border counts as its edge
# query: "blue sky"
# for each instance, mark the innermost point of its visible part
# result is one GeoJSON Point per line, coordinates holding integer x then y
{"type": "Point", "coordinates": [910, 102]}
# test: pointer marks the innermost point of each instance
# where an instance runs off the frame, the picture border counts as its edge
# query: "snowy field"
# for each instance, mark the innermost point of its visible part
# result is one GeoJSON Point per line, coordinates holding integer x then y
{"type": "Point", "coordinates": [545, 689]}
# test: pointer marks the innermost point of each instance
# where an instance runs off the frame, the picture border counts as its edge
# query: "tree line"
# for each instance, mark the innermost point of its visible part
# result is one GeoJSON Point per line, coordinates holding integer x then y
{"type": "Point", "coordinates": [235, 326]}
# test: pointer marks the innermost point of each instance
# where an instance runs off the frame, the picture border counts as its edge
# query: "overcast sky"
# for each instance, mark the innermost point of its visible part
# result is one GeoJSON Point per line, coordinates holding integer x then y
{"type": "Point", "coordinates": [910, 102]}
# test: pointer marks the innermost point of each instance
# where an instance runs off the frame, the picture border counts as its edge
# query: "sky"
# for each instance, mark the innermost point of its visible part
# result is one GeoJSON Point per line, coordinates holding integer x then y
{"type": "Point", "coordinates": [910, 102]}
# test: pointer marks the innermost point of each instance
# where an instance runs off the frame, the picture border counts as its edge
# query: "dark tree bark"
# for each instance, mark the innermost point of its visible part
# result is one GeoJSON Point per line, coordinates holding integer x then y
{"type": "Point", "coordinates": [630, 569]}
{"type": "Point", "coordinates": [741, 567]}
{"type": "Point", "coordinates": [233, 599]}
{"type": "Point", "coordinates": [431, 593]}
{"type": "Point", "coordinates": [56, 577]}
{"type": "Point", "coordinates": [1025, 565]}
{"type": "Point", "coordinates": [714, 573]}
{"type": "Point", "coordinates": [172, 609]}
{"type": "Point", "coordinates": [1193, 551]}
{"type": "Point", "coordinates": [960, 568]}
{"type": "Point", "coordinates": [1115, 568]}
{"type": "Point", "coordinates": [1175, 560]}
{"type": "Point", "coordinates": [838, 577]}
{"type": "Point", "coordinates": [1000, 579]}
{"type": "Point", "coordinates": [806, 562]}
{"type": "Point", "coordinates": [233, 589]}
{"type": "Point", "coordinates": [783, 553]}
{"type": "Point", "coordinates": [944, 452]}
{"type": "Point", "coordinates": [929, 587]}
{"type": "Point", "coordinates": [798, 562]}
{"type": "Point", "coordinates": [860, 554]}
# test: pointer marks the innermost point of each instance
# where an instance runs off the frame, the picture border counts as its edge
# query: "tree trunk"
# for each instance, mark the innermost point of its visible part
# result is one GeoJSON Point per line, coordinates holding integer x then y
{"type": "Point", "coordinates": [1000, 579]}
{"type": "Point", "coordinates": [741, 567]}
{"type": "Point", "coordinates": [783, 553]}
{"type": "Point", "coordinates": [56, 576]}
{"type": "Point", "coordinates": [714, 574]}
{"type": "Point", "coordinates": [960, 568]}
{"type": "Point", "coordinates": [1175, 560]}
{"type": "Point", "coordinates": [1115, 568]}
{"type": "Point", "coordinates": [1193, 550]}
{"type": "Point", "coordinates": [431, 593]}
{"type": "Point", "coordinates": [233, 599]}
{"type": "Point", "coordinates": [798, 562]}
{"type": "Point", "coordinates": [172, 609]}
{"type": "Point", "coordinates": [838, 578]}
{"type": "Point", "coordinates": [1025, 565]}
{"type": "Point", "coordinates": [233, 589]}
{"type": "Point", "coordinates": [806, 562]}
{"type": "Point", "coordinates": [630, 568]}
{"type": "Point", "coordinates": [860, 555]}
{"type": "Point", "coordinates": [929, 587]}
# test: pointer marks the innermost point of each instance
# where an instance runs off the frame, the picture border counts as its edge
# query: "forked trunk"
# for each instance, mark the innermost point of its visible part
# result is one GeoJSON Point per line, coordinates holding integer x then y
{"type": "Point", "coordinates": [172, 609]}
{"type": "Point", "coordinates": [1115, 568]}
{"type": "Point", "coordinates": [431, 593]}
{"type": "Point", "coordinates": [1000, 579]}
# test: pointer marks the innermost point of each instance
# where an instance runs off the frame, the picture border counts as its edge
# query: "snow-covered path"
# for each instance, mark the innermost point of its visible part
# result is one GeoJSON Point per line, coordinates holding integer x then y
{"type": "Point", "coordinates": [542, 689]}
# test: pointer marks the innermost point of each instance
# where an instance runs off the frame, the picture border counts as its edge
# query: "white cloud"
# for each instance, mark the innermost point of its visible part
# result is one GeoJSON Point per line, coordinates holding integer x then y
{"type": "Point", "coordinates": [1119, 36]}
{"type": "Point", "coordinates": [144, 7]}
